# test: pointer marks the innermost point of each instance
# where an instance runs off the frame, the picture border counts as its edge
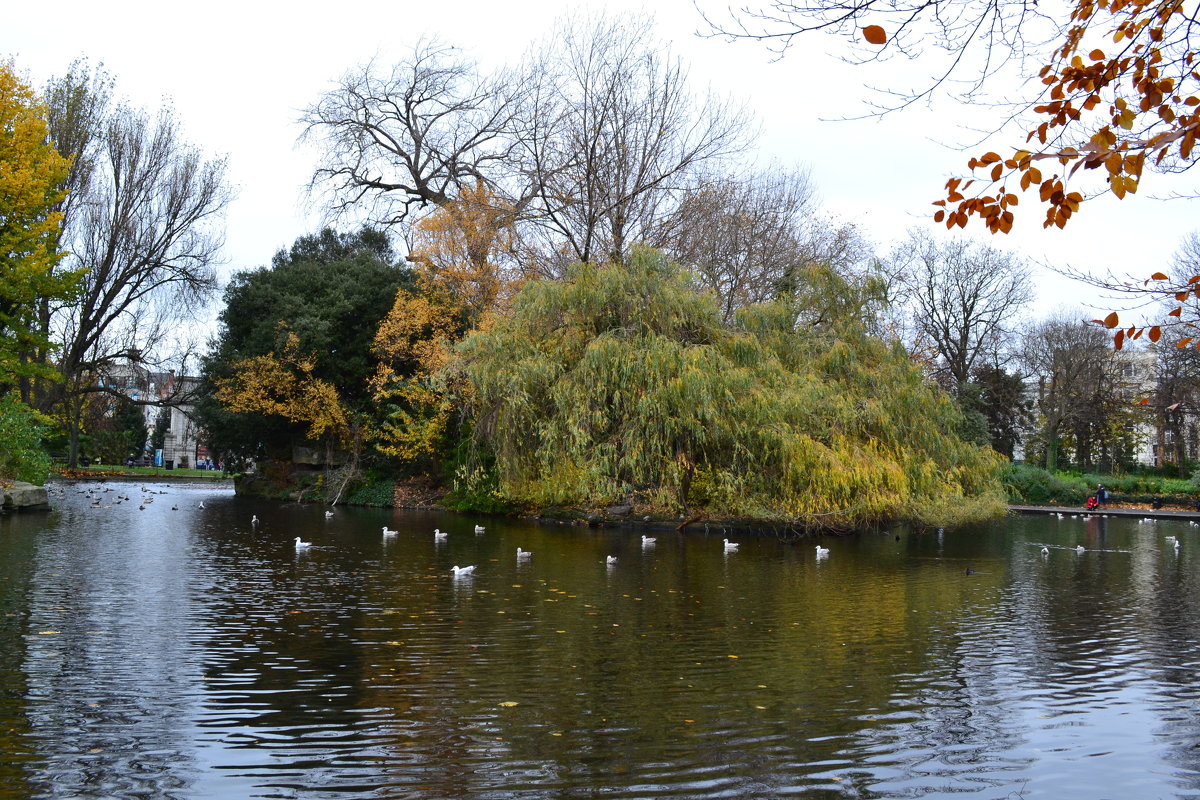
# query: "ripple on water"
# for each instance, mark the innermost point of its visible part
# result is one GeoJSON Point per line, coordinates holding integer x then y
{"type": "Point", "coordinates": [184, 655]}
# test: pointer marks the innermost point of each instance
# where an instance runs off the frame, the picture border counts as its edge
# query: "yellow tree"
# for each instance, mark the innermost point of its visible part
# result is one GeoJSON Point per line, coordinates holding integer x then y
{"type": "Point", "coordinates": [467, 270]}
{"type": "Point", "coordinates": [31, 177]}
{"type": "Point", "coordinates": [282, 384]}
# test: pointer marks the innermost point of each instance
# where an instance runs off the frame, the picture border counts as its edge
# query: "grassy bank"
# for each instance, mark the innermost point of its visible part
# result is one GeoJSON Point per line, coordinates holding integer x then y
{"type": "Point", "coordinates": [1029, 485]}
{"type": "Point", "coordinates": [117, 471]}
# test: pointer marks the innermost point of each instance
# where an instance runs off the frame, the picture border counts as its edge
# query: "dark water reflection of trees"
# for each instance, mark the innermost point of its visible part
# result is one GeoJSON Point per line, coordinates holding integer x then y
{"type": "Point", "coordinates": [182, 654]}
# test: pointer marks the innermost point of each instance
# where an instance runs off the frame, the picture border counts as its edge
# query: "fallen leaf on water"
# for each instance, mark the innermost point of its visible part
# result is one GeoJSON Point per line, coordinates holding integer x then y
{"type": "Point", "coordinates": [47, 633]}
{"type": "Point", "coordinates": [509, 703]}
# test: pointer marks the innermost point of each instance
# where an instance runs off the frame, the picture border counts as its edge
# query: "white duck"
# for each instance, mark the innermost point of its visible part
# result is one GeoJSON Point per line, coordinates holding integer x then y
{"type": "Point", "coordinates": [730, 547]}
{"type": "Point", "coordinates": [460, 571]}
{"type": "Point", "coordinates": [302, 545]}
{"type": "Point", "coordinates": [822, 551]}
{"type": "Point", "coordinates": [479, 529]}
{"type": "Point", "coordinates": [389, 532]}
{"type": "Point", "coordinates": [440, 536]}
{"type": "Point", "coordinates": [611, 560]}
{"type": "Point", "coordinates": [523, 554]}
{"type": "Point", "coordinates": [649, 541]}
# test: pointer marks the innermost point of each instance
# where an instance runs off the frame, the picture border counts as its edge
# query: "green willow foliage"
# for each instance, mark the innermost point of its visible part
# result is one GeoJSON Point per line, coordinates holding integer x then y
{"type": "Point", "coordinates": [621, 384]}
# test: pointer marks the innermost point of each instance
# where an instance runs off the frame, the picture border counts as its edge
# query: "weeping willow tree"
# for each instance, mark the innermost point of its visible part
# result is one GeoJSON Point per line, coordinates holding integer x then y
{"type": "Point", "coordinates": [622, 384]}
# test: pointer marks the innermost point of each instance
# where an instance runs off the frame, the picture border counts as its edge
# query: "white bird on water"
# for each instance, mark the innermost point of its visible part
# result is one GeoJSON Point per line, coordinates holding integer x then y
{"type": "Point", "coordinates": [611, 560]}
{"type": "Point", "coordinates": [302, 545]}
{"type": "Point", "coordinates": [648, 541]}
{"type": "Point", "coordinates": [1080, 548]}
{"type": "Point", "coordinates": [460, 571]}
{"type": "Point", "coordinates": [388, 532]}
{"type": "Point", "coordinates": [730, 546]}
{"type": "Point", "coordinates": [1045, 551]}
{"type": "Point", "coordinates": [521, 554]}
{"type": "Point", "coordinates": [822, 551]}
{"type": "Point", "coordinates": [254, 520]}
{"type": "Point", "coordinates": [200, 504]}
{"type": "Point", "coordinates": [439, 536]}
{"type": "Point", "coordinates": [328, 514]}
{"type": "Point", "coordinates": [479, 529]}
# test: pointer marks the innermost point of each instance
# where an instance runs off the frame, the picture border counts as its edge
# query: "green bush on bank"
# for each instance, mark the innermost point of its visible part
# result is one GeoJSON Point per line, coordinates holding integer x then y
{"type": "Point", "coordinates": [22, 456]}
{"type": "Point", "coordinates": [374, 489]}
{"type": "Point", "coordinates": [1030, 485]}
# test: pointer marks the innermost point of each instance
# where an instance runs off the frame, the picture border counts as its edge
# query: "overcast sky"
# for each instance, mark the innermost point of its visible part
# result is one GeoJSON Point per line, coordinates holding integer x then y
{"type": "Point", "coordinates": [239, 74]}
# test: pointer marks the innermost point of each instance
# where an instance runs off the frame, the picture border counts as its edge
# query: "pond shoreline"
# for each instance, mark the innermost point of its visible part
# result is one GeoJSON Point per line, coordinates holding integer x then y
{"type": "Point", "coordinates": [626, 518]}
{"type": "Point", "coordinates": [1128, 513]}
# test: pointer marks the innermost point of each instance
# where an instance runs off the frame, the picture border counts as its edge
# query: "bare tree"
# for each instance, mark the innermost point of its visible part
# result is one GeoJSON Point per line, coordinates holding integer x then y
{"type": "Point", "coordinates": [394, 141]}
{"type": "Point", "coordinates": [145, 225]}
{"type": "Point", "coordinates": [747, 236]}
{"type": "Point", "coordinates": [1067, 358]}
{"type": "Point", "coordinates": [614, 135]}
{"type": "Point", "coordinates": [962, 296]}
{"type": "Point", "coordinates": [964, 41]}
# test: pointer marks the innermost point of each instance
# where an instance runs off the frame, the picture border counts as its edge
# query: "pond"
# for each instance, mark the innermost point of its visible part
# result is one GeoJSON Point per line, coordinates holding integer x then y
{"type": "Point", "coordinates": [165, 647]}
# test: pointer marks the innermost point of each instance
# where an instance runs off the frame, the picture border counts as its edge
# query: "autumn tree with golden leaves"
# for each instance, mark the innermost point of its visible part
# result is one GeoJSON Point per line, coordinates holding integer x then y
{"type": "Point", "coordinates": [283, 384]}
{"type": "Point", "coordinates": [31, 177]}
{"type": "Point", "coordinates": [466, 271]}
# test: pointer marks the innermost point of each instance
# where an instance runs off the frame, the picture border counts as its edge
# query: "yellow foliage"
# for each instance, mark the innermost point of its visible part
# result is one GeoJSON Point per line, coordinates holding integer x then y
{"type": "Point", "coordinates": [461, 249]}
{"type": "Point", "coordinates": [283, 385]}
{"type": "Point", "coordinates": [460, 286]}
{"type": "Point", "coordinates": [31, 176]}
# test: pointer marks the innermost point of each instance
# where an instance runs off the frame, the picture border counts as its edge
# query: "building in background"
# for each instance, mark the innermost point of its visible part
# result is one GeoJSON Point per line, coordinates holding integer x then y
{"type": "Point", "coordinates": [164, 393]}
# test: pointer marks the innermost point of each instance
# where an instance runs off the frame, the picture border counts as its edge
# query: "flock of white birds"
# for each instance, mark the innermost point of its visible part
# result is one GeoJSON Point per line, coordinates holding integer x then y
{"type": "Point", "coordinates": [440, 536]}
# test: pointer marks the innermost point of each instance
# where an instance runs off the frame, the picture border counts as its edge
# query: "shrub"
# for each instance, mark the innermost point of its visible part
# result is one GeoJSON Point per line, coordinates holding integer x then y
{"type": "Point", "coordinates": [22, 456]}
{"type": "Point", "coordinates": [374, 490]}
{"type": "Point", "coordinates": [1028, 484]}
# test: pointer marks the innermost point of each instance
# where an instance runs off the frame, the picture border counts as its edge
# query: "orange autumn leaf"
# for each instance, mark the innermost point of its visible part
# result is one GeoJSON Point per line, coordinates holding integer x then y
{"type": "Point", "coordinates": [875, 34]}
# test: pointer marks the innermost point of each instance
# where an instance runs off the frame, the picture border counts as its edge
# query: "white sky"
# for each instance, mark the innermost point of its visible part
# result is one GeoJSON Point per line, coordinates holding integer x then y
{"type": "Point", "coordinates": [239, 73]}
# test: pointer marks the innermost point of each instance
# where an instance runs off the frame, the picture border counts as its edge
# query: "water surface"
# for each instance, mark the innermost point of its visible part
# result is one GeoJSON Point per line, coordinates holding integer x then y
{"type": "Point", "coordinates": [174, 651]}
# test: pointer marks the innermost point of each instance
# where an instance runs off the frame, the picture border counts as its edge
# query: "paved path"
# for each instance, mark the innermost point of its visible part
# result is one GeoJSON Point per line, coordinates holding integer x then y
{"type": "Point", "coordinates": [1136, 513]}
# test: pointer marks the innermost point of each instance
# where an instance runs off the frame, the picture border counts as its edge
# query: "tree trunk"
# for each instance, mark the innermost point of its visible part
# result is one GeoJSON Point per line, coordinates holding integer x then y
{"type": "Point", "coordinates": [1052, 448]}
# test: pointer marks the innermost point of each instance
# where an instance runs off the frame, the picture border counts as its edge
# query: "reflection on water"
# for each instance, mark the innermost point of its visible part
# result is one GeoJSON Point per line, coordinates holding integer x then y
{"type": "Point", "coordinates": [175, 651]}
